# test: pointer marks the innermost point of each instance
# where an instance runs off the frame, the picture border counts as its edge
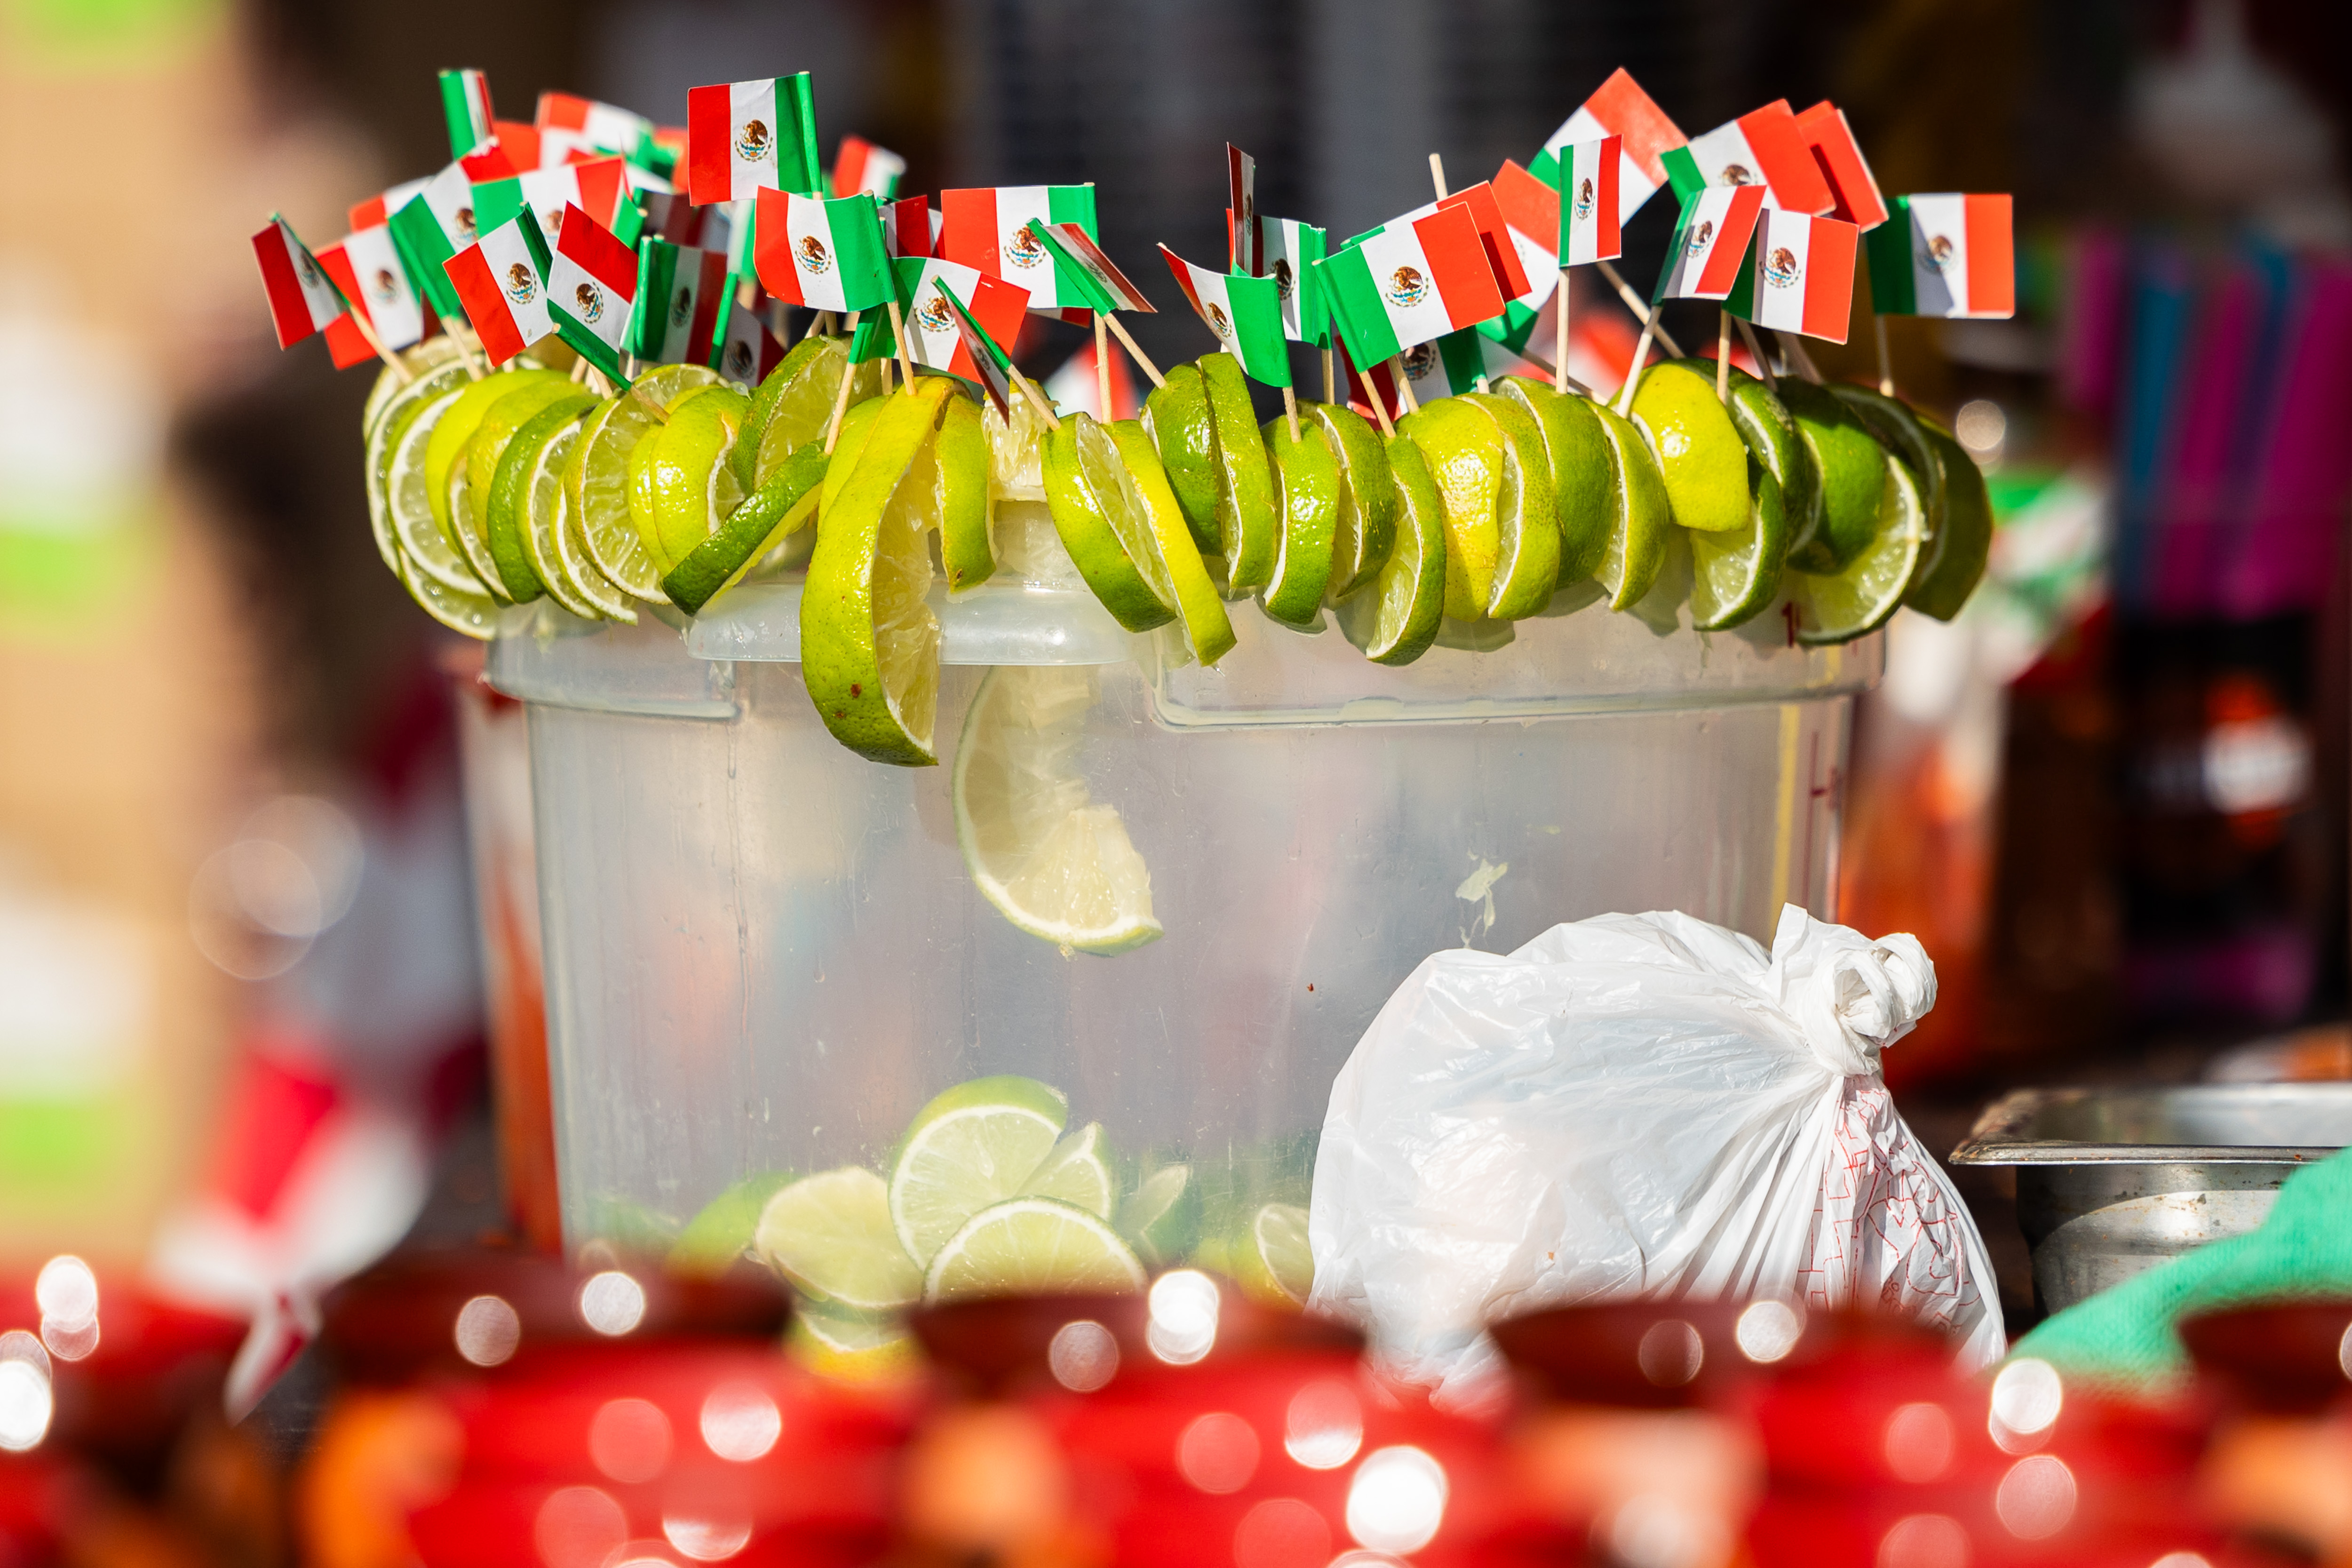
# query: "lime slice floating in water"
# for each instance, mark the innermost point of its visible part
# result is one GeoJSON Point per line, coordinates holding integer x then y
{"type": "Point", "coordinates": [1161, 1218]}
{"type": "Point", "coordinates": [830, 1235]}
{"type": "Point", "coordinates": [721, 1233]}
{"type": "Point", "coordinates": [1081, 1171]}
{"type": "Point", "coordinates": [1033, 1247]}
{"type": "Point", "coordinates": [973, 1145]}
{"type": "Point", "coordinates": [1270, 1260]}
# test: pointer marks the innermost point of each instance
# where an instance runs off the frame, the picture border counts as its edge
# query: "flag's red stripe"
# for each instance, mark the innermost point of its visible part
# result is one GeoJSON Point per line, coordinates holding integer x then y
{"type": "Point", "coordinates": [604, 186]}
{"type": "Point", "coordinates": [1458, 265]}
{"type": "Point", "coordinates": [998, 307]}
{"type": "Point", "coordinates": [288, 311]}
{"type": "Point", "coordinates": [369, 212]}
{"type": "Point", "coordinates": [1608, 242]}
{"type": "Point", "coordinates": [518, 141]}
{"type": "Point", "coordinates": [345, 345]}
{"type": "Point", "coordinates": [1183, 271]}
{"type": "Point", "coordinates": [1104, 269]}
{"type": "Point", "coordinates": [849, 166]}
{"type": "Point", "coordinates": [709, 168]}
{"type": "Point", "coordinates": [485, 304]}
{"type": "Point", "coordinates": [1622, 108]}
{"type": "Point", "coordinates": [490, 164]}
{"type": "Point", "coordinates": [1730, 248]}
{"type": "Point", "coordinates": [1829, 279]}
{"type": "Point", "coordinates": [1501, 254]}
{"type": "Point", "coordinates": [562, 110]}
{"type": "Point", "coordinates": [597, 250]}
{"type": "Point", "coordinates": [771, 247]}
{"type": "Point", "coordinates": [1992, 257]}
{"type": "Point", "coordinates": [1529, 204]}
{"type": "Point", "coordinates": [1787, 163]}
{"type": "Point", "coordinates": [968, 229]}
{"type": "Point", "coordinates": [336, 263]}
{"type": "Point", "coordinates": [910, 225]}
{"type": "Point", "coordinates": [1840, 156]}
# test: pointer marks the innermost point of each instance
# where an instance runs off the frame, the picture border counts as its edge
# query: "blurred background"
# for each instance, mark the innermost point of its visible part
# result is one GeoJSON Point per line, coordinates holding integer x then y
{"type": "Point", "coordinates": [242, 1000]}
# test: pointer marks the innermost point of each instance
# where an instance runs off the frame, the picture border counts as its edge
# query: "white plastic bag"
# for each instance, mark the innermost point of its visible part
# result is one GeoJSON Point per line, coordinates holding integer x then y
{"type": "Point", "coordinates": [1636, 1106]}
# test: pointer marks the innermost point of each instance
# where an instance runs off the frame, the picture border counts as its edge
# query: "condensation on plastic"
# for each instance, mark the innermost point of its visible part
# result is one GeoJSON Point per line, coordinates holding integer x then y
{"type": "Point", "coordinates": [763, 953]}
{"type": "Point", "coordinates": [1636, 1106]}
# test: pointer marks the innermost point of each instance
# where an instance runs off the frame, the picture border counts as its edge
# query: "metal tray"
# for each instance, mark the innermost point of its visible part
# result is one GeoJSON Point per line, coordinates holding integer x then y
{"type": "Point", "coordinates": [2114, 1182]}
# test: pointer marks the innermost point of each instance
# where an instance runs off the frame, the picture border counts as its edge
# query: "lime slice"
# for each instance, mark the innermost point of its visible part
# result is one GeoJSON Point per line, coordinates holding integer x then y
{"type": "Point", "coordinates": [544, 520]}
{"type": "Point", "coordinates": [1032, 1246]}
{"type": "Point", "coordinates": [423, 547]}
{"type": "Point", "coordinates": [601, 494]}
{"type": "Point", "coordinates": [1941, 588]}
{"type": "Point", "coordinates": [1583, 491]}
{"type": "Point", "coordinates": [1777, 441]}
{"type": "Point", "coordinates": [573, 562]}
{"type": "Point", "coordinates": [967, 552]}
{"type": "Point", "coordinates": [1900, 431]}
{"type": "Point", "coordinates": [508, 491]}
{"type": "Point", "coordinates": [388, 423]}
{"type": "Point", "coordinates": [1699, 450]}
{"type": "Point", "coordinates": [1463, 447]}
{"type": "Point", "coordinates": [1736, 575]}
{"type": "Point", "coordinates": [870, 644]}
{"type": "Point", "coordinates": [1017, 453]}
{"type": "Point", "coordinates": [456, 428]}
{"type": "Point", "coordinates": [1176, 415]}
{"type": "Point", "coordinates": [830, 1235]}
{"type": "Point", "coordinates": [1851, 467]}
{"type": "Point", "coordinates": [1106, 526]}
{"type": "Point", "coordinates": [1835, 609]}
{"type": "Point", "coordinates": [1208, 630]}
{"type": "Point", "coordinates": [1270, 1260]}
{"type": "Point", "coordinates": [501, 422]}
{"type": "Point", "coordinates": [1368, 504]}
{"type": "Point", "coordinates": [1053, 860]}
{"type": "Point", "coordinates": [1396, 622]}
{"type": "Point", "coordinates": [1247, 530]}
{"type": "Point", "coordinates": [1079, 1170]}
{"type": "Point", "coordinates": [848, 442]}
{"type": "Point", "coordinates": [1306, 499]}
{"type": "Point", "coordinates": [795, 401]}
{"type": "Point", "coordinates": [846, 1348]}
{"type": "Point", "coordinates": [767, 516]}
{"type": "Point", "coordinates": [426, 361]}
{"type": "Point", "coordinates": [714, 1239]}
{"type": "Point", "coordinates": [473, 548]}
{"type": "Point", "coordinates": [680, 486]}
{"type": "Point", "coordinates": [972, 1145]}
{"type": "Point", "coordinates": [1527, 515]}
{"type": "Point", "coordinates": [1637, 531]}
{"type": "Point", "coordinates": [1161, 1218]}
{"type": "Point", "coordinates": [470, 614]}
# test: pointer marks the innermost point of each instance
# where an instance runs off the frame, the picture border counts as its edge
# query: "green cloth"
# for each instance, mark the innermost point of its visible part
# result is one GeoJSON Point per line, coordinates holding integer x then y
{"type": "Point", "coordinates": [2123, 1339]}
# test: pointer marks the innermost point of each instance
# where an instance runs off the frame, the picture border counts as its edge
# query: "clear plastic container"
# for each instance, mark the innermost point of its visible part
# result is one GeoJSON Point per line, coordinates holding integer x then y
{"type": "Point", "coordinates": [764, 954]}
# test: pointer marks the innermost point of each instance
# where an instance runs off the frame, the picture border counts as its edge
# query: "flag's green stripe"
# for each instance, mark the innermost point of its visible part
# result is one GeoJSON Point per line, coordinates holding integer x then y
{"type": "Point", "coordinates": [629, 223]}
{"type": "Point", "coordinates": [1681, 171]}
{"type": "Point", "coordinates": [798, 168]}
{"type": "Point", "coordinates": [1073, 285]}
{"type": "Point", "coordinates": [657, 281]}
{"type": "Point", "coordinates": [872, 340]}
{"type": "Point", "coordinates": [1545, 167]}
{"type": "Point", "coordinates": [1513, 327]}
{"type": "Point", "coordinates": [1741, 302]}
{"type": "Point", "coordinates": [1464, 361]}
{"type": "Point", "coordinates": [1893, 292]}
{"type": "Point", "coordinates": [1356, 304]}
{"type": "Point", "coordinates": [416, 234]}
{"type": "Point", "coordinates": [533, 240]}
{"type": "Point", "coordinates": [583, 337]}
{"type": "Point", "coordinates": [457, 114]}
{"type": "Point", "coordinates": [1314, 316]}
{"type": "Point", "coordinates": [1256, 304]}
{"type": "Point", "coordinates": [495, 201]}
{"type": "Point", "coordinates": [1073, 203]}
{"type": "Point", "coordinates": [856, 225]}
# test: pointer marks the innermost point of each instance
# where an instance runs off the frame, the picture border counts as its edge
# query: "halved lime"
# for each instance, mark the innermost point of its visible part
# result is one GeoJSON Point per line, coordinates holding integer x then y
{"type": "Point", "coordinates": [1463, 447]}
{"type": "Point", "coordinates": [1835, 609]}
{"type": "Point", "coordinates": [1306, 502]}
{"type": "Point", "coordinates": [975, 1144]}
{"type": "Point", "coordinates": [1208, 630]}
{"type": "Point", "coordinates": [1637, 532]}
{"type": "Point", "coordinates": [796, 398]}
{"type": "Point", "coordinates": [1081, 1170]}
{"type": "Point", "coordinates": [1054, 861]}
{"type": "Point", "coordinates": [1176, 415]}
{"type": "Point", "coordinates": [388, 419]}
{"type": "Point", "coordinates": [601, 494]}
{"type": "Point", "coordinates": [830, 1235]}
{"type": "Point", "coordinates": [454, 430]}
{"type": "Point", "coordinates": [1248, 532]}
{"type": "Point", "coordinates": [509, 490]}
{"type": "Point", "coordinates": [1396, 622]}
{"type": "Point", "coordinates": [1900, 431]}
{"type": "Point", "coordinates": [1940, 588]}
{"type": "Point", "coordinates": [1527, 515]}
{"type": "Point", "coordinates": [1584, 491]}
{"type": "Point", "coordinates": [1736, 575]}
{"type": "Point", "coordinates": [1106, 526]}
{"type": "Point", "coordinates": [470, 614]}
{"type": "Point", "coordinates": [577, 567]}
{"type": "Point", "coordinates": [1366, 531]}
{"type": "Point", "coordinates": [1700, 454]}
{"type": "Point", "coordinates": [544, 520]}
{"type": "Point", "coordinates": [1851, 467]}
{"type": "Point", "coordinates": [1033, 1247]}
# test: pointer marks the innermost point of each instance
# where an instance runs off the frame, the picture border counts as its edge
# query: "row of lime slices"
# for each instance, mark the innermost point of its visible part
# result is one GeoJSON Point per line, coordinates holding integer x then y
{"type": "Point", "coordinates": [989, 1192]}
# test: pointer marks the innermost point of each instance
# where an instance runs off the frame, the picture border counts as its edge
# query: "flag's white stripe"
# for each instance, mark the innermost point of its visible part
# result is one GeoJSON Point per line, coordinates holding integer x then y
{"type": "Point", "coordinates": [1541, 265]}
{"type": "Point", "coordinates": [392, 305]}
{"type": "Point", "coordinates": [1634, 185]}
{"type": "Point", "coordinates": [1028, 266]}
{"type": "Point", "coordinates": [1283, 244]}
{"type": "Point", "coordinates": [566, 280]}
{"type": "Point", "coordinates": [1725, 158]}
{"type": "Point", "coordinates": [811, 235]}
{"type": "Point", "coordinates": [400, 194]}
{"type": "Point", "coordinates": [617, 130]}
{"type": "Point", "coordinates": [1940, 288]}
{"type": "Point", "coordinates": [319, 295]}
{"type": "Point", "coordinates": [679, 324]}
{"type": "Point", "coordinates": [449, 197]}
{"type": "Point", "coordinates": [502, 250]}
{"type": "Point", "coordinates": [1216, 304]}
{"type": "Point", "coordinates": [1782, 274]}
{"type": "Point", "coordinates": [880, 174]}
{"type": "Point", "coordinates": [1396, 247]}
{"type": "Point", "coordinates": [548, 192]}
{"type": "Point", "coordinates": [746, 102]}
{"type": "Point", "coordinates": [1577, 165]}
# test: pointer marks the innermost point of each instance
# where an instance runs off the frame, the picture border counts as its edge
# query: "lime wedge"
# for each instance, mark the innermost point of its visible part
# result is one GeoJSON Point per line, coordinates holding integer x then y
{"type": "Point", "coordinates": [423, 547]}
{"type": "Point", "coordinates": [1052, 859]}
{"type": "Point", "coordinates": [869, 644]}
{"type": "Point", "coordinates": [846, 1348]}
{"type": "Point", "coordinates": [500, 424]}
{"type": "Point", "coordinates": [473, 548]}
{"type": "Point", "coordinates": [1270, 1260]}
{"type": "Point", "coordinates": [1527, 515]}
{"type": "Point", "coordinates": [1176, 415]}
{"type": "Point", "coordinates": [469, 615]}
{"type": "Point", "coordinates": [1079, 1170]}
{"type": "Point", "coordinates": [1583, 489]}
{"type": "Point", "coordinates": [1463, 447]}
{"type": "Point", "coordinates": [509, 489]}
{"type": "Point", "coordinates": [602, 498]}
{"type": "Point", "coordinates": [795, 401]}
{"type": "Point", "coordinates": [455, 431]}
{"type": "Point", "coordinates": [681, 487]}
{"type": "Point", "coordinates": [767, 516]}
{"type": "Point", "coordinates": [973, 1145]}
{"type": "Point", "coordinates": [544, 520]}
{"type": "Point", "coordinates": [1637, 531]}
{"type": "Point", "coordinates": [1851, 467]}
{"type": "Point", "coordinates": [720, 1234]}
{"type": "Point", "coordinates": [575, 562]}
{"type": "Point", "coordinates": [1941, 588]}
{"type": "Point", "coordinates": [1835, 609]}
{"type": "Point", "coordinates": [1247, 530]}
{"type": "Point", "coordinates": [426, 361]}
{"type": "Point", "coordinates": [848, 443]}
{"type": "Point", "coordinates": [1208, 630]}
{"type": "Point", "coordinates": [1106, 526]}
{"type": "Point", "coordinates": [967, 549]}
{"type": "Point", "coordinates": [1306, 500]}
{"type": "Point", "coordinates": [1904, 436]}
{"type": "Point", "coordinates": [1396, 622]}
{"type": "Point", "coordinates": [1366, 530]}
{"type": "Point", "coordinates": [1161, 1218]}
{"type": "Point", "coordinates": [1736, 575]}
{"type": "Point", "coordinates": [391, 416]}
{"type": "Point", "coordinates": [830, 1235]}
{"type": "Point", "coordinates": [1033, 1247]}
{"type": "Point", "coordinates": [1700, 454]}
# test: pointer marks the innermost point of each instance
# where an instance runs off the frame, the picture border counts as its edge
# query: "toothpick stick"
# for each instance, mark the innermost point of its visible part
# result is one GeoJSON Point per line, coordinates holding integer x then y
{"type": "Point", "coordinates": [1633, 375]}
{"type": "Point", "coordinates": [1437, 175]}
{"type": "Point", "coordinates": [1405, 399]}
{"type": "Point", "coordinates": [1723, 356]}
{"type": "Point", "coordinates": [1794, 348]}
{"type": "Point", "coordinates": [469, 350]}
{"type": "Point", "coordinates": [1642, 312]}
{"type": "Point", "coordinates": [1037, 399]}
{"type": "Point", "coordinates": [579, 369]}
{"type": "Point", "coordinates": [899, 336]}
{"type": "Point", "coordinates": [841, 399]}
{"type": "Point", "coordinates": [1141, 359]}
{"type": "Point", "coordinates": [1763, 365]}
{"type": "Point", "coordinates": [1102, 365]}
{"type": "Point", "coordinates": [647, 401]}
{"type": "Point", "coordinates": [1560, 337]}
{"type": "Point", "coordinates": [1330, 385]}
{"type": "Point", "coordinates": [888, 365]}
{"type": "Point", "coordinates": [817, 325]}
{"type": "Point", "coordinates": [1290, 410]}
{"type": "Point", "coordinates": [1885, 365]}
{"type": "Point", "coordinates": [367, 331]}
{"type": "Point", "coordinates": [598, 383]}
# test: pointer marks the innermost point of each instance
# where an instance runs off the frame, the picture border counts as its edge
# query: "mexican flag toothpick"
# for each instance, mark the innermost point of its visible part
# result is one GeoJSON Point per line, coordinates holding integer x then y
{"type": "Point", "coordinates": [1645, 135]}
{"type": "Point", "coordinates": [433, 226]}
{"type": "Point", "coordinates": [988, 227]}
{"type": "Point", "coordinates": [930, 291]}
{"type": "Point", "coordinates": [600, 125]}
{"type": "Point", "coordinates": [466, 110]}
{"type": "Point", "coordinates": [1763, 147]}
{"type": "Point", "coordinates": [1834, 148]}
{"type": "Point", "coordinates": [910, 227]}
{"type": "Point", "coordinates": [1244, 240]}
{"type": "Point", "coordinates": [1703, 260]}
{"type": "Point", "coordinates": [1244, 312]}
{"type": "Point", "coordinates": [366, 269]}
{"type": "Point", "coordinates": [824, 255]}
{"type": "Point", "coordinates": [501, 281]}
{"type": "Point", "coordinates": [1944, 255]}
{"type": "Point", "coordinates": [685, 301]}
{"type": "Point", "coordinates": [1080, 263]}
{"type": "Point", "coordinates": [745, 137]}
{"type": "Point", "coordinates": [302, 298]}
{"type": "Point", "coordinates": [748, 351]}
{"type": "Point", "coordinates": [1409, 283]}
{"type": "Point", "coordinates": [592, 290]}
{"type": "Point", "coordinates": [1799, 277]}
{"type": "Point", "coordinates": [862, 167]}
